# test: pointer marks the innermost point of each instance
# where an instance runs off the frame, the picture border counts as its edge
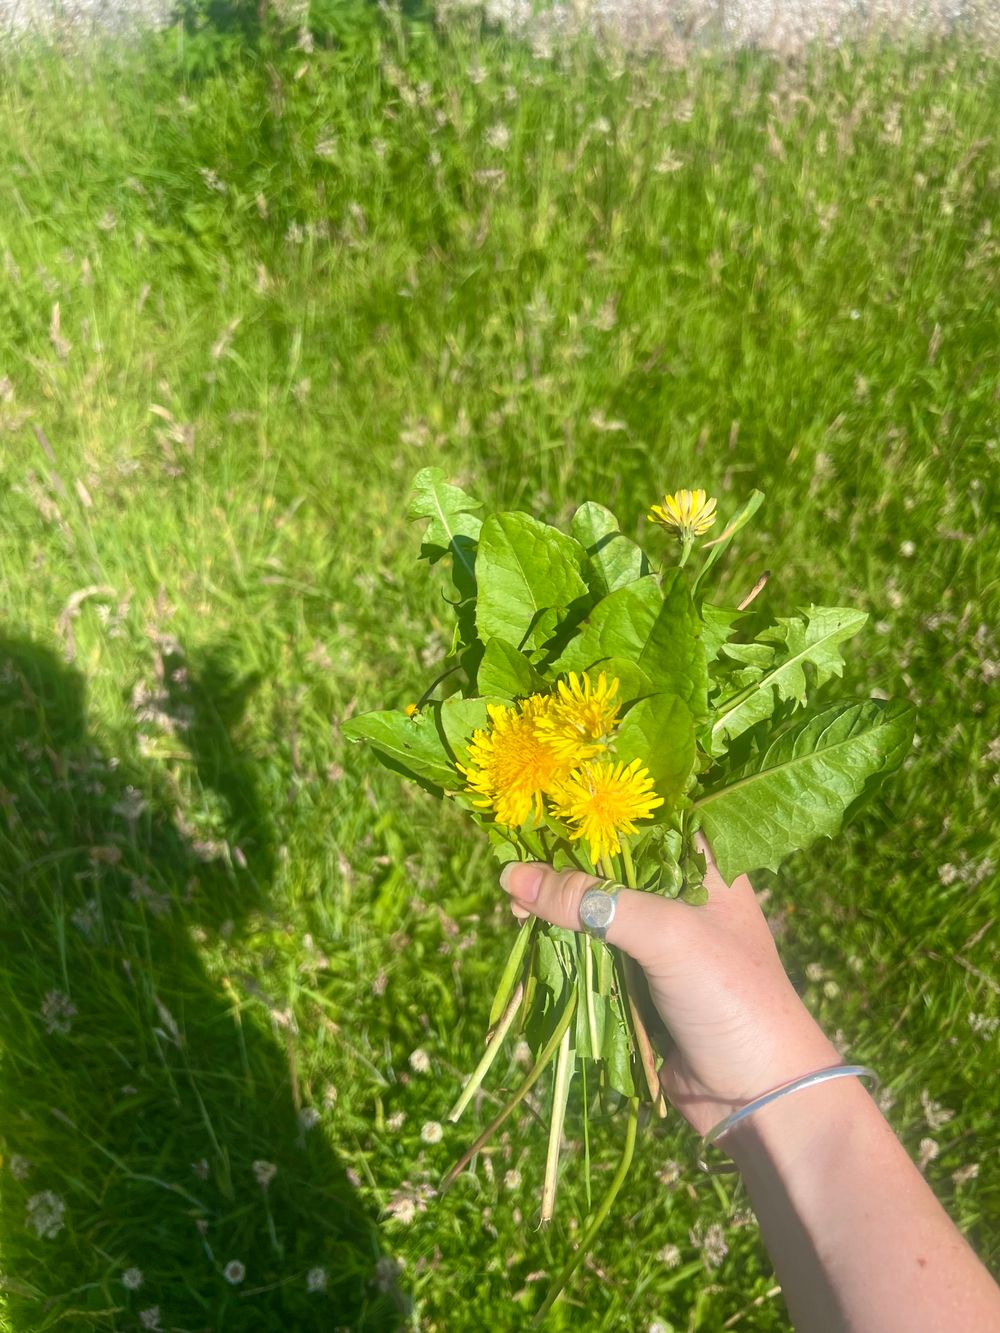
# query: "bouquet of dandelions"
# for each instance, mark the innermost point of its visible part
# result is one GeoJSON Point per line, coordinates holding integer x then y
{"type": "Point", "coordinates": [596, 709]}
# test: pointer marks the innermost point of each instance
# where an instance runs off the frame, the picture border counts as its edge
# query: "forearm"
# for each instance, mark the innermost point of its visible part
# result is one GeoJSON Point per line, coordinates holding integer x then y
{"type": "Point", "coordinates": [858, 1240]}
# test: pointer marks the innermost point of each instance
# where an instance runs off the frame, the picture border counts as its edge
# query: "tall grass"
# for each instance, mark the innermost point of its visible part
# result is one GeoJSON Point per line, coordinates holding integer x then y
{"type": "Point", "coordinates": [244, 299]}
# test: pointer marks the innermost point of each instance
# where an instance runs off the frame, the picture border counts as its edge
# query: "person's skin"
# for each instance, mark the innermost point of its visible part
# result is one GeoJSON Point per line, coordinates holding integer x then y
{"type": "Point", "coordinates": [858, 1240]}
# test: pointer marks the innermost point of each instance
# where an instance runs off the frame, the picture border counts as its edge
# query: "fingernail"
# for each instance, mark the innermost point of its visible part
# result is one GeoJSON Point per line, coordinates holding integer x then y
{"type": "Point", "coordinates": [529, 880]}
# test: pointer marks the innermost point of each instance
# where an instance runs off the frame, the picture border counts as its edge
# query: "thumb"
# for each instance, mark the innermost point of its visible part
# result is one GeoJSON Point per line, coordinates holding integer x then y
{"type": "Point", "coordinates": [554, 896]}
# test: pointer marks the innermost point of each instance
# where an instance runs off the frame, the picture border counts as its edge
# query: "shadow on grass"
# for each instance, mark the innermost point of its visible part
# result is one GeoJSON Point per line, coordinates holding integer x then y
{"type": "Point", "coordinates": [140, 1112]}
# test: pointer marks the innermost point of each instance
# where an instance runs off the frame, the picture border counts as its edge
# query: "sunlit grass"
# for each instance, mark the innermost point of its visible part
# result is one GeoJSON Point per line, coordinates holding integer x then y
{"type": "Point", "coordinates": [239, 309]}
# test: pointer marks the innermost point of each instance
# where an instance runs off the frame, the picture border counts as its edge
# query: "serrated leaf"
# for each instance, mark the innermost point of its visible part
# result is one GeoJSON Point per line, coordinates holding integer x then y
{"type": "Point", "coordinates": [718, 623]}
{"type": "Point", "coordinates": [613, 560]}
{"type": "Point", "coordinates": [411, 744]}
{"type": "Point", "coordinates": [449, 511]}
{"type": "Point", "coordinates": [800, 787]}
{"type": "Point", "coordinates": [523, 568]}
{"type": "Point", "coordinates": [506, 673]}
{"type": "Point", "coordinates": [781, 654]}
{"type": "Point", "coordinates": [659, 731]}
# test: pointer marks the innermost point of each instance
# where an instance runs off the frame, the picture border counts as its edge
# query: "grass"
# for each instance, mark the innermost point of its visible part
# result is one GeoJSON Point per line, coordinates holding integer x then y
{"type": "Point", "coordinates": [243, 303]}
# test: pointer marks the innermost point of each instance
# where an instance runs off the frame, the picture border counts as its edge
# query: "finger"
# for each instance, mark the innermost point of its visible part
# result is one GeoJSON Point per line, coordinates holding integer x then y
{"type": "Point", "coordinates": [554, 896]}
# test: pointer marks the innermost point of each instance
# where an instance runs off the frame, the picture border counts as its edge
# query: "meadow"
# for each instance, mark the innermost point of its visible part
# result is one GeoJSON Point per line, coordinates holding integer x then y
{"type": "Point", "coordinates": [247, 289]}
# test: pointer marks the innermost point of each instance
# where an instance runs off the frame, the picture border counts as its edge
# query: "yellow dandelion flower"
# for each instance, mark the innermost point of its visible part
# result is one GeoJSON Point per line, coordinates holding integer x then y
{"type": "Point", "coordinates": [511, 766]}
{"type": "Point", "coordinates": [688, 513]}
{"type": "Point", "coordinates": [604, 800]}
{"type": "Point", "coordinates": [411, 710]}
{"type": "Point", "coordinates": [581, 718]}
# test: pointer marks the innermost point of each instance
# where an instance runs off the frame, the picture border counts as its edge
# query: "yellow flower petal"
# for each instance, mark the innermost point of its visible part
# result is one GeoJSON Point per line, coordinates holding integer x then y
{"type": "Point", "coordinates": [688, 513]}
{"type": "Point", "coordinates": [604, 800]}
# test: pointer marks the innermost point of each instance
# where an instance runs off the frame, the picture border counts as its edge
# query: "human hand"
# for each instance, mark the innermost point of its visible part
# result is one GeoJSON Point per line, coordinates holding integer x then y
{"type": "Point", "coordinates": [715, 978]}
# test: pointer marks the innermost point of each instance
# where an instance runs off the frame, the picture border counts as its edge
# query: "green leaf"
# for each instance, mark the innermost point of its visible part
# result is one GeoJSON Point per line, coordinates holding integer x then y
{"type": "Point", "coordinates": [799, 789]}
{"type": "Point", "coordinates": [523, 568]}
{"type": "Point", "coordinates": [717, 624]}
{"type": "Point", "coordinates": [633, 683]}
{"type": "Point", "coordinates": [458, 718]}
{"type": "Point", "coordinates": [659, 731]}
{"type": "Point", "coordinates": [812, 638]}
{"type": "Point", "coordinates": [411, 744]}
{"type": "Point", "coordinates": [617, 1051]}
{"type": "Point", "coordinates": [674, 654]}
{"type": "Point", "coordinates": [452, 526]}
{"type": "Point", "coordinates": [618, 626]}
{"type": "Point", "coordinates": [449, 510]}
{"type": "Point", "coordinates": [613, 560]}
{"type": "Point", "coordinates": [507, 673]}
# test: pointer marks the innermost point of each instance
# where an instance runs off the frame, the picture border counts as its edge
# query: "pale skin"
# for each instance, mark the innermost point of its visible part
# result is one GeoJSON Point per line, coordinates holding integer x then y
{"type": "Point", "coordinates": [859, 1242]}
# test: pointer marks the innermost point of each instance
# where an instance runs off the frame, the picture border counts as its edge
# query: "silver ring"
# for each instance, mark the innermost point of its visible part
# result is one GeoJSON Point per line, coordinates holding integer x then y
{"type": "Point", "coordinates": [597, 910]}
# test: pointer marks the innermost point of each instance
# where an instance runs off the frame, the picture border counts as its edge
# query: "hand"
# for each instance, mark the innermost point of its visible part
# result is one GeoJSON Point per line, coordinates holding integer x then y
{"type": "Point", "coordinates": [739, 1029]}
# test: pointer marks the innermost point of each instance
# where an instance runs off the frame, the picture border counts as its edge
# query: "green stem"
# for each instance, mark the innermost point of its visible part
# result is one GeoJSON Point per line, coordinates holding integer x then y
{"type": "Point", "coordinates": [588, 990]}
{"type": "Point", "coordinates": [515, 959]}
{"type": "Point", "coordinates": [629, 864]}
{"type": "Point", "coordinates": [560, 1096]}
{"type": "Point", "coordinates": [490, 1054]}
{"type": "Point", "coordinates": [599, 1217]}
{"type": "Point", "coordinates": [687, 545]}
{"type": "Point", "coordinates": [533, 1076]}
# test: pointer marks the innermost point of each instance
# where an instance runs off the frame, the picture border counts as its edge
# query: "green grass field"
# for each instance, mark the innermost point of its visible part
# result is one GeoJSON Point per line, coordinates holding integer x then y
{"type": "Point", "coordinates": [241, 304]}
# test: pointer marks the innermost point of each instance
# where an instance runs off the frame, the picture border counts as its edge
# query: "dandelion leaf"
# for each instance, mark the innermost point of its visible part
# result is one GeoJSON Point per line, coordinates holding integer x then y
{"type": "Point", "coordinates": [613, 560]}
{"type": "Point", "coordinates": [525, 571]}
{"type": "Point", "coordinates": [799, 788]}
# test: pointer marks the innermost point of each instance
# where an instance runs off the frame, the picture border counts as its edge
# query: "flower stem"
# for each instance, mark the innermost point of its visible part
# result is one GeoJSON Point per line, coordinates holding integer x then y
{"type": "Point", "coordinates": [560, 1096]}
{"type": "Point", "coordinates": [534, 1074]}
{"type": "Point", "coordinates": [490, 1054]}
{"type": "Point", "coordinates": [599, 1217]}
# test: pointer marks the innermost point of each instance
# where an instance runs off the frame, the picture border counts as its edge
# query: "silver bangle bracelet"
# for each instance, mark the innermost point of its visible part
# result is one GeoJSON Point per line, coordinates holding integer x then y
{"type": "Point", "coordinates": [796, 1084]}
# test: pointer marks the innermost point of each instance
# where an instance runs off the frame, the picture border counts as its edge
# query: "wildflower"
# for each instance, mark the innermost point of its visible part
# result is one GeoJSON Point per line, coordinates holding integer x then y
{"type": "Point", "coordinates": [264, 1173]}
{"type": "Point", "coordinates": [308, 1117]}
{"type": "Point", "coordinates": [498, 137]}
{"type": "Point", "coordinates": [712, 1243]}
{"type": "Point", "coordinates": [581, 717]}
{"type": "Point", "coordinates": [57, 1011]}
{"type": "Point", "coordinates": [396, 1121]}
{"type": "Point", "coordinates": [411, 710]}
{"type": "Point", "coordinates": [20, 1166]}
{"type": "Point", "coordinates": [431, 1132]}
{"type": "Point", "coordinates": [688, 513]}
{"type": "Point", "coordinates": [402, 1208]}
{"type": "Point", "coordinates": [512, 765]}
{"type": "Point", "coordinates": [150, 1318]}
{"type": "Point", "coordinates": [234, 1272]}
{"type": "Point", "coordinates": [935, 1114]}
{"type": "Point", "coordinates": [387, 1271]}
{"type": "Point", "coordinates": [965, 1173]}
{"type": "Point", "coordinates": [316, 1280]}
{"type": "Point", "coordinates": [512, 1179]}
{"type": "Point", "coordinates": [132, 1279]}
{"type": "Point", "coordinates": [669, 1256]}
{"type": "Point", "coordinates": [604, 800]}
{"type": "Point", "coordinates": [45, 1213]}
{"type": "Point", "coordinates": [929, 1149]}
{"type": "Point", "coordinates": [907, 549]}
{"type": "Point", "coordinates": [420, 1061]}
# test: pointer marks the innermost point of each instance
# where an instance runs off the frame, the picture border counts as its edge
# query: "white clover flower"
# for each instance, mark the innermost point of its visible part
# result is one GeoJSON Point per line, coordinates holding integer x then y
{"type": "Point", "coordinates": [396, 1121]}
{"type": "Point", "coordinates": [402, 1208]}
{"type": "Point", "coordinates": [432, 1132]}
{"type": "Point", "coordinates": [929, 1149]}
{"type": "Point", "coordinates": [316, 1280]}
{"type": "Point", "coordinates": [498, 137]}
{"type": "Point", "coordinates": [907, 549]}
{"type": "Point", "coordinates": [512, 1179]}
{"type": "Point", "coordinates": [669, 1256]}
{"type": "Point", "coordinates": [234, 1272]}
{"type": "Point", "coordinates": [57, 1011]}
{"type": "Point", "coordinates": [420, 1061]}
{"type": "Point", "coordinates": [20, 1167]}
{"type": "Point", "coordinates": [308, 1117]}
{"type": "Point", "coordinates": [150, 1318]}
{"type": "Point", "coordinates": [264, 1173]}
{"type": "Point", "coordinates": [46, 1212]}
{"type": "Point", "coordinates": [132, 1279]}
